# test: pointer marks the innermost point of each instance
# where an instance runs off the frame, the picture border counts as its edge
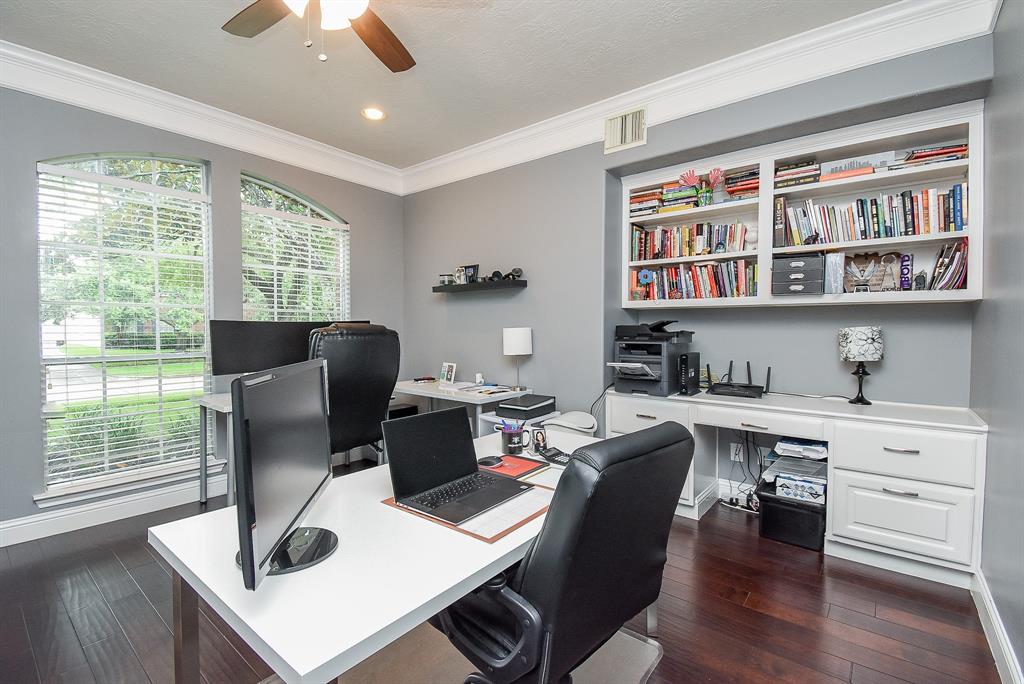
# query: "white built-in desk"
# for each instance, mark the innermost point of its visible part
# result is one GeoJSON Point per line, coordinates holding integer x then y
{"type": "Point", "coordinates": [906, 482]}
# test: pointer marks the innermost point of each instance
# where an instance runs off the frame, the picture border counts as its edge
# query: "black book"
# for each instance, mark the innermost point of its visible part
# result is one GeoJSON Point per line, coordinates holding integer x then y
{"type": "Point", "coordinates": [907, 198]}
{"type": "Point", "coordinates": [780, 222]}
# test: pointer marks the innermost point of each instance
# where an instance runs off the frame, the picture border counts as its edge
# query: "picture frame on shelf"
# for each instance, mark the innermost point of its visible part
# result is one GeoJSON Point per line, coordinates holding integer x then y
{"type": "Point", "coordinates": [472, 272]}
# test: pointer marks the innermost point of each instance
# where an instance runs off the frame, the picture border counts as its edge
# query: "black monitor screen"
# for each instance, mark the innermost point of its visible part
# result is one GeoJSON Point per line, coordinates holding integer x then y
{"type": "Point", "coordinates": [251, 346]}
{"type": "Point", "coordinates": [283, 454]}
{"type": "Point", "coordinates": [429, 449]}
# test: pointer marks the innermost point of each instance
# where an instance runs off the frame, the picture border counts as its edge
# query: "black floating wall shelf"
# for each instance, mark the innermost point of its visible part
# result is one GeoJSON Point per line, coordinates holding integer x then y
{"type": "Point", "coordinates": [481, 286]}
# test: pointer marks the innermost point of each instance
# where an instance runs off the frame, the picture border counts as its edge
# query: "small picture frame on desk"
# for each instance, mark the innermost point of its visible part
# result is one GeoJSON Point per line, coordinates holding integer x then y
{"type": "Point", "coordinates": [447, 376]}
{"type": "Point", "coordinates": [472, 271]}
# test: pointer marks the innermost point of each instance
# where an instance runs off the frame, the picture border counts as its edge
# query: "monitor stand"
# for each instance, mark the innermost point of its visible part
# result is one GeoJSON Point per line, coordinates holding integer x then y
{"type": "Point", "coordinates": [303, 548]}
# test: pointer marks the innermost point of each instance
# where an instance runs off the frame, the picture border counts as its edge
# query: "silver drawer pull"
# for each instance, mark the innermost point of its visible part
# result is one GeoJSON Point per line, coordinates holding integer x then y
{"type": "Point", "coordinates": [900, 492]}
{"type": "Point", "coordinates": [646, 417]}
{"type": "Point", "coordinates": [756, 427]}
{"type": "Point", "coordinates": [898, 450]}
{"type": "Point", "coordinates": [796, 264]}
{"type": "Point", "coordinates": [796, 288]}
{"type": "Point", "coordinates": [796, 276]}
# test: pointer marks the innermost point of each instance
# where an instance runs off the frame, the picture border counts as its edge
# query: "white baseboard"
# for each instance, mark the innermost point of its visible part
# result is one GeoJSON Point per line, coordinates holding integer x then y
{"type": "Point", "coordinates": [62, 520]}
{"type": "Point", "coordinates": [1007, 664]}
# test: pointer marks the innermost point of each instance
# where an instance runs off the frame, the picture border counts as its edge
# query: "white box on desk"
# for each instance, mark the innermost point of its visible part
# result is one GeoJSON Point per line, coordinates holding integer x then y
{"type": "Point", "coordinates": [800, 488]}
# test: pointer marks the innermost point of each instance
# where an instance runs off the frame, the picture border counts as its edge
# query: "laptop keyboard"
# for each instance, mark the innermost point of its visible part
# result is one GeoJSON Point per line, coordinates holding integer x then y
{"type": "Point", "coordinates": [446, 493]}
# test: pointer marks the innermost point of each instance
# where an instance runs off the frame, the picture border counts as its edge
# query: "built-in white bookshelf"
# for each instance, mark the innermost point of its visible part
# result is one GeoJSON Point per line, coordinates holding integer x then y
{"type": "Point", "coordinates": [956, 123]}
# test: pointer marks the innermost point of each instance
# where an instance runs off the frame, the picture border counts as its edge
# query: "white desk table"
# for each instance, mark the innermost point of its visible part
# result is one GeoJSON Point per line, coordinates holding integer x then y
{"type": "Point", "coordinates": [391, 572]}
{"type": "Point", "coordinates": [218, 403]}
{"type": "Point", "coordinates": [433, 391]}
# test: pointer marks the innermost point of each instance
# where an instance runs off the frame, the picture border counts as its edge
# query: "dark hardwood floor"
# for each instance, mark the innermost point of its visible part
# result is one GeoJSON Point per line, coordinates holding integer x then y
{"type": "Point", "coordinates": [95, 606]}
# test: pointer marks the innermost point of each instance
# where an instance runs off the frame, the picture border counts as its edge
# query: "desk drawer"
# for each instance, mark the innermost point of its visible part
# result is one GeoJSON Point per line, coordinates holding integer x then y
{"type": "Point", "coordinates": [930, 455]}
{"type": "Point", "coordinates": [927, 519]}
{"type": "Point", "coordinates": [630, 414]}
{"type": "Point", "coordinates": [759, 421]}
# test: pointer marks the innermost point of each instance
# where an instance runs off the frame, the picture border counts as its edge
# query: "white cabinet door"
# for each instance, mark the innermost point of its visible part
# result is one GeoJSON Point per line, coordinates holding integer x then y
{"type": "Point", "coordinates": [928, 519]}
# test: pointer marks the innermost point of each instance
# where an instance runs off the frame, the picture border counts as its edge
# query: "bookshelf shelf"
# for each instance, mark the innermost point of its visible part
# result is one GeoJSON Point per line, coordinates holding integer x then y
{"type": "Point", "coordinates": [929, 129]}
{"type": "Point", "coordinates": [700, 258]}
{"type": "Point", "coordinates": [880, 243]}
{"type": "Point", "coordinates": [481, 286]}
{"type": "Point", "coordinates": [956, 169]}
{"type": "Point", "coordinates": [740, 207]}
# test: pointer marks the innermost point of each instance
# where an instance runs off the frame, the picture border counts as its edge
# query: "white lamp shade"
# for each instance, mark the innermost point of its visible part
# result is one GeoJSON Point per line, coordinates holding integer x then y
{"type": "Point", "coordinates": [517, 341]}
{"type": "Point", "coordinates": [861, 343]}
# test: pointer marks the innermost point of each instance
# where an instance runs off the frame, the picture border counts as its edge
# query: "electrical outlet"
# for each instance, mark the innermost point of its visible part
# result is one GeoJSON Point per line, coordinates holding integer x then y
{"type": "Point", "coordinates": [736, 452]}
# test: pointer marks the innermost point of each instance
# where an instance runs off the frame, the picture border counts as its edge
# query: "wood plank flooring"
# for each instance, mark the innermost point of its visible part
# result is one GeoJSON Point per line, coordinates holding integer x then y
{"type": "Point", "coordinates": [94, 606]}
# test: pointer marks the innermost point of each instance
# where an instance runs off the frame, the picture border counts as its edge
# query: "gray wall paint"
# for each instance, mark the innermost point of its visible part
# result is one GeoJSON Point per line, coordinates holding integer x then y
{"type": "Point", "coordinates": [36, 129]}
{"type": "Point", "coordinates": [997, 387]}
{"type": "Point", "coordinates": [559, 216]}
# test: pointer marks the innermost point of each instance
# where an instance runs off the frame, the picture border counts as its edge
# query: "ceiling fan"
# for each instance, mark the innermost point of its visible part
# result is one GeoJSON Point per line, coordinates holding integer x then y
{"type": "Point", "coordinates": [334, 15]}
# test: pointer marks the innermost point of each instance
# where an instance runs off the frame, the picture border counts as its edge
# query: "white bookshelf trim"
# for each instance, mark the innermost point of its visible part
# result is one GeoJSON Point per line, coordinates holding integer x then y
{"type": "Point", "coordinates": [969, 115]}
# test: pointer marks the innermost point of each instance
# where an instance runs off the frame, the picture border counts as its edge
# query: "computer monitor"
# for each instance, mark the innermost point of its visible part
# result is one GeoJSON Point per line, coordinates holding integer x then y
{"type": "Point", "coordinates": [282, 466]}
{"type": "Point", "coordinates": [251, 346]}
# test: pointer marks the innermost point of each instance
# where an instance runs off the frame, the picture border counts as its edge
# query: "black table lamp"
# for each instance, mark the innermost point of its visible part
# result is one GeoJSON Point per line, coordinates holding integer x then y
{"type": "Point", "coordinates": [860, 344]}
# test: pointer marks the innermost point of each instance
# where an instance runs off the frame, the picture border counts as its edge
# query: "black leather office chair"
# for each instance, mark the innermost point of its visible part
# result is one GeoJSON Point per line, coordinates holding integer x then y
{"type": "Point", "coordinates": [362, 368]}
{"type": "Point", "coordinates": [596, 563]}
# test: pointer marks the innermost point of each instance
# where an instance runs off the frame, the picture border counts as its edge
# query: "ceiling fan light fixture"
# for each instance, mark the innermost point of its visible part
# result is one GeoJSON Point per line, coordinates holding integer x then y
{"type": "Point", "coordinates": [337, 14]}
{"type": "Point", "coordinates": [373, 114]}
{"type": "Point", "coordinates": [298, 7]}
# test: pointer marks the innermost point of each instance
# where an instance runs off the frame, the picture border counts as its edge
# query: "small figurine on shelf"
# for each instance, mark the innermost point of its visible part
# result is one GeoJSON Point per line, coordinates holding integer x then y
{"type": "Point", "coordinates": [705, 188]}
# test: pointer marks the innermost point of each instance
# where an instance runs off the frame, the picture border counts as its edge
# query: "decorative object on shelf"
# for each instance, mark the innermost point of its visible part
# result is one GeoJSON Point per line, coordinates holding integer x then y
{"type": "Point", "coordinates": [496, 276]}
{"type": "Point", "coordinates": [517, 342]}
{"type": "Point", "coordinates": [460, 276]}
{"type": "Point", "coordinates": [720, 248]}
{"type": "Point", "coordinates": [863, 273]}
{"type": "Point", "coordinates": [447, 376]}
{"type": "Point", "coordinates": [890, 282]}
{"type": "Point", "coordinates": [861, 344]}
{"type": "Point", "coordinates": [637, 294]}
{"type": "Point", "coordinates": [675, 294]}
{"type": "Point", "coordinates": [447, 279]}
{"type": "Point", "coordinates": [645, 276]}
{"type": "Point", "coordinates": [514, 274]}
{"type": "Point", "coordinates": [472, 271]}
{"type": "Point", "coordinates": [705, 188]}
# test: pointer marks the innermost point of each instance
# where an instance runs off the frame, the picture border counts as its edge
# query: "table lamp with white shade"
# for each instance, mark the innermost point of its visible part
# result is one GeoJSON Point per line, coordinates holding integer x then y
{"type": "Point", "coordinates": [860, 344]}
{"type": "Point", "coordinates": [517, 342]}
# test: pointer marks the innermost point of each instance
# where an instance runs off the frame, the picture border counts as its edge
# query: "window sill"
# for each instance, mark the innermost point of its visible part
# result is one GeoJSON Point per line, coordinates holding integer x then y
{"type": "Point", "coordinates": [109, 485]}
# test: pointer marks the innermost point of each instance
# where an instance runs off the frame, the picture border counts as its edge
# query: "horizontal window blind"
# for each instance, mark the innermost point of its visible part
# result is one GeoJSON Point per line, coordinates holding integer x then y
{"type": "Point", "coordinates": [295, 258]}
{"type": "Point", "coordinates": [123, 302]}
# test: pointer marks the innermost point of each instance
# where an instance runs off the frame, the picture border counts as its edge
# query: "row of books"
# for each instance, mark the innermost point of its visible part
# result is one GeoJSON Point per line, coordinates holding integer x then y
{"type": "Point", "coordinates": [811, 171]}
{"type": "Point", "coordinates": [669, 242]}
{"type": "Point", "coordinates": [669, 197]}
{"type": "Point", "coordinates": [698, 281]}
{"type": "Point", "coordinates": [743, 184]}
{"type": "Point", "coordinates": [889, 215]}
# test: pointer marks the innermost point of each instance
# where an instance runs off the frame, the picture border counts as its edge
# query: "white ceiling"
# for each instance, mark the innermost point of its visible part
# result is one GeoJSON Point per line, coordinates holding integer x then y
{"type": "Point", "coordinates": [483, 68]}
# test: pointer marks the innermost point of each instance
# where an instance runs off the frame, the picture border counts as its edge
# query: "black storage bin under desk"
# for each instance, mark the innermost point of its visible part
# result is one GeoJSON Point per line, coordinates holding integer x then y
{"type": "Point", "coordinates": [788, 520]}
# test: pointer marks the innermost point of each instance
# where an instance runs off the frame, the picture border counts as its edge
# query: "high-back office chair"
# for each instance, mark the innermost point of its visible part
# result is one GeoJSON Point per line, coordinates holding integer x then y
{"type": "Point", "coordinates": [362, 368]}
{"type": "Point", "coordinates": [596, 563]}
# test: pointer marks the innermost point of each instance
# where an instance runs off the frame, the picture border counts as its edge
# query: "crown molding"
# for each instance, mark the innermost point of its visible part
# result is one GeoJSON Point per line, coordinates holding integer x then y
{"type": "Point", "coordinates": [886, 33]}
{"type": "Point", "coordinates": [38, 73]}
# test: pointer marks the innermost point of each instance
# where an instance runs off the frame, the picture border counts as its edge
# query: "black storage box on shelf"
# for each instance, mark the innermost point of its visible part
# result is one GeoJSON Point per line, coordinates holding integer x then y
{"type": "Point", "coordinates": [798, 274]}
{"type": "Point", "coordinates": [792, 521]}
{"type": "Point", "coordinates": [526, 407]}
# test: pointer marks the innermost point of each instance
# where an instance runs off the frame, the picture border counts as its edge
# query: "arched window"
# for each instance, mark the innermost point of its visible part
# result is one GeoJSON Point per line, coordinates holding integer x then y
{"type": "Point", "coordinates": [123, 315]}
{"type": "Point", "coordinates": [295, 257]}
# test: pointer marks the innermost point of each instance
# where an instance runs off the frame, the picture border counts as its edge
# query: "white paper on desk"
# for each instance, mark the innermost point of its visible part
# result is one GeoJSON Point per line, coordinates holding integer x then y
{"type": "Point", "coordinates": [548, 477]}
{"type": "Point", "coordinates": [508, 514]}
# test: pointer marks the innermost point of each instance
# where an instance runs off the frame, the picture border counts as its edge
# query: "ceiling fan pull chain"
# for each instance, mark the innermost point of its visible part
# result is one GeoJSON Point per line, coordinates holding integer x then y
{"type": "Point", "coordinates": [309, 42]}
{"type": "Point", "coordinates": [323, 46]}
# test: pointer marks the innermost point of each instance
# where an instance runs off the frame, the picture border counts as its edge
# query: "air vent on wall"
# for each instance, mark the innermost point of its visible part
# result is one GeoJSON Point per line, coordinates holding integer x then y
{"type": "Point", "coordinates": [625, 131]}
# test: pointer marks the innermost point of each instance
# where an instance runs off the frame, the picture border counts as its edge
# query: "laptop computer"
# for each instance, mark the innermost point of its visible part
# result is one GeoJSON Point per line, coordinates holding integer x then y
{"type": "Point", "coordinates": [434, 469]}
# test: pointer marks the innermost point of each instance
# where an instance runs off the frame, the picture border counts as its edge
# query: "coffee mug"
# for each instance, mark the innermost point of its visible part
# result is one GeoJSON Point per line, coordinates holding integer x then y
{"type": "Point", "coordinates": [513, 441]}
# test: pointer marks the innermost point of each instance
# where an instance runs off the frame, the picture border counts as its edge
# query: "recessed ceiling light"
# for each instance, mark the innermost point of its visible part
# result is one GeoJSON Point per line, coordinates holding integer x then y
{"type": "Point", "coordinates": [373, 114]}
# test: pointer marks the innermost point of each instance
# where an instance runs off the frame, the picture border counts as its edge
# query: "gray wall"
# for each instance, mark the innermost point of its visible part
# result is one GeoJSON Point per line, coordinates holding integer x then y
{"type": "Point", "coordinates": [36, 129]}
{"type": "Point", "coordinates": [997, 386]}
{"type": "Point", "coordinates": [559, 219]}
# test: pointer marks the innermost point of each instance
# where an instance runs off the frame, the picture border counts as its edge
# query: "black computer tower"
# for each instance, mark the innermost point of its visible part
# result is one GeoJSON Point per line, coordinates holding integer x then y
{"type": "Point", "coordinates": [689, 373]}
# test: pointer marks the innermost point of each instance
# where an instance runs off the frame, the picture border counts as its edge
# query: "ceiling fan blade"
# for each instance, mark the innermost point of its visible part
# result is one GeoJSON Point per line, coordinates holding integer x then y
{"type": "Point", "coordinates": [256, 18]}
{"type": "Point", "coordinates": [382, 42]}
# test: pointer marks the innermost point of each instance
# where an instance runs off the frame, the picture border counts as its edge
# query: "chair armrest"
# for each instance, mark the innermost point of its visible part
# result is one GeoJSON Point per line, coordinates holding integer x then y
{"type": "Point", "coordinates": [524, 656]}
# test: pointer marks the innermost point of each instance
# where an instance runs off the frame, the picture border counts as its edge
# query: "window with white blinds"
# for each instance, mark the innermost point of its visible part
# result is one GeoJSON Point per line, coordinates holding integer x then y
{"type": "Point", "coordinates": [295, 257]}
{"type": "Point", "coordinates": [123, 302]}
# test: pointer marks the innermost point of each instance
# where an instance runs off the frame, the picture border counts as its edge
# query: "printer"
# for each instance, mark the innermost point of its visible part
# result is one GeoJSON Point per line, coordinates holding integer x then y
{"type": "Point", "coordinates": [646, 358]}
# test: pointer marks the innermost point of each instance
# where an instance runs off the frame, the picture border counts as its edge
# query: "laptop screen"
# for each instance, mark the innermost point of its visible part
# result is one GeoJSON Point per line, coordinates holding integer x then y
{"type": "Point", "coordinates": [429, 449]}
